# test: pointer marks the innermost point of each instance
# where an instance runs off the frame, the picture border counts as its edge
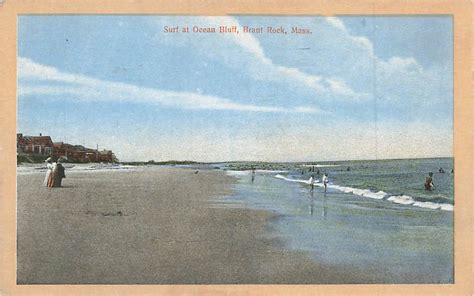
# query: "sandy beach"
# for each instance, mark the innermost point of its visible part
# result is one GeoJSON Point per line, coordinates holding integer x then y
{"type": "Point", "coordinates": [152, 227]}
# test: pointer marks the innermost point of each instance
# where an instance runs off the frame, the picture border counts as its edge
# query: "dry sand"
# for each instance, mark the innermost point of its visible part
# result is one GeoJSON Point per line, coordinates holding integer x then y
{"type": "Point", "coordinates": [151, 227]}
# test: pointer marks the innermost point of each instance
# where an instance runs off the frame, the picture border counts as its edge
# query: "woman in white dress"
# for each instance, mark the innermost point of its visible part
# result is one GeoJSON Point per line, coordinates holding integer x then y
{"type": "Point", "coordinates": [49, 170]}
{"type": "Point", "coordinates": [325, 182]}
{"type": "Point", "coordinates": [311, 182]}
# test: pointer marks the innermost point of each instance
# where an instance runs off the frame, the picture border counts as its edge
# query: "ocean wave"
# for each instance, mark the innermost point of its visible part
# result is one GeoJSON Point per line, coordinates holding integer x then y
{"type": "Point", "coordinates": [296, 180]}
{"type": "Point", "coordinates": [237, 173]}
{"type": "Point", "coordinates": [248, 172]}
{"type": "Point", "coordinates": [401, 199]}
{"type": "Point", "coordinates": [321, 165]}
{"type": "Point", "coordinates": [380, 195]}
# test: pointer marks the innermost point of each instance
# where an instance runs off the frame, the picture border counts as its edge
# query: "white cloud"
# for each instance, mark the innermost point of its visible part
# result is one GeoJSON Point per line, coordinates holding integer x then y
{"type": "Point", "coordinates": [336, 22]}
{"type": "Point", "coordinates": [342, 59]}
{"type": "Point", "coordinates": [252, 58]}
{"type": "Point", "coordinates": [402, 64]}
{"type": "Point", "coordinates": [339, 86]}
{"type": "Point", "coordinates": [247, 41]}
{"type": "Point", "coordinates": [392, 81]}
{"type": "Point", "coordinates": [50, 81]}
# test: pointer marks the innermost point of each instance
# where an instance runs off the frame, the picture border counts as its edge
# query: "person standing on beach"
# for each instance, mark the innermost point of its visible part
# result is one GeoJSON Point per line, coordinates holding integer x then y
{"type": "Point", "coordinates": [253, 174]}
{"type": "Point", "coordinates": [311, 182]}
{"type": "Point", "coordinates": [58, 174]}
{"type": "Point", "coordinates": [49, 171]}
{"type": "Point", "coordinates": [51, 174]}
{"type": "Point", "coordinates": [429, 185]}
{"type": "Point", "coordinates": [325, 181]}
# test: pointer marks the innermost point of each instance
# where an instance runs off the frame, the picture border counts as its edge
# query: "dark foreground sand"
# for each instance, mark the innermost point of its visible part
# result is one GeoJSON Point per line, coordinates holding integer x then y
{"type": "Point", "coordinates": [151, 227]}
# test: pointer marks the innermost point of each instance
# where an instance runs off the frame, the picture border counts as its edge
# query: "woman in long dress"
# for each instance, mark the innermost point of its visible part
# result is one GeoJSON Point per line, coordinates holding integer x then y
{"type": "Point", "coordinates": [325, 181]}
{"type": "Point", "coordinates": [58, 174]}
{"type": "Point", "coordinates": [311, 182]}
{"type": "Point", "coordinates": [49, 171]}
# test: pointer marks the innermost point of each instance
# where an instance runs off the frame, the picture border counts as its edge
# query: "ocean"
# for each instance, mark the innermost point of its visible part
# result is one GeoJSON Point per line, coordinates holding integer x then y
{"type": "Point", "coordinates": [376, 217]}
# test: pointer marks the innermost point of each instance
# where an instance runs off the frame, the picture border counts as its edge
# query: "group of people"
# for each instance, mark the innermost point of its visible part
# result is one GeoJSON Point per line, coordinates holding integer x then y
{"type": "Point", "coordinates": [55, 173]}
{"type": "Point", "coordinates": [324, 180]}
{"type": "Point", "coordinates": [312, 169]}
{"type": "Point", "coordinates": [429, 184]}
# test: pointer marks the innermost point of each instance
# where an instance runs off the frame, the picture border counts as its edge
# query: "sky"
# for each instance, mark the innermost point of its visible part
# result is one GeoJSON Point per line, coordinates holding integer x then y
{"type": "Point", "coordinates": [355, 88]}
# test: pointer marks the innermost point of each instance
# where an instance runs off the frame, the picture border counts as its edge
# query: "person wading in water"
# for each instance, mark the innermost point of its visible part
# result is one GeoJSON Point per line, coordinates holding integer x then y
{"type": "Point", "coordinates": [429, 185]}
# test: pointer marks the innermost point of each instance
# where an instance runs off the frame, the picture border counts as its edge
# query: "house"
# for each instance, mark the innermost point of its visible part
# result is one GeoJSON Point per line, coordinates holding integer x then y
{"type": "Point", "coordinates": [64, 150]}
{"type": "Point", "coordinates": [79, 153]}
{"type": "Point", "coordinates": [43, 145]}
{"type": "Point", "coordinates": [74, 153]}
{"type": "Point", "coordinates": [37, 145]}
{"type": "Point", "coordinates": [106, 156]}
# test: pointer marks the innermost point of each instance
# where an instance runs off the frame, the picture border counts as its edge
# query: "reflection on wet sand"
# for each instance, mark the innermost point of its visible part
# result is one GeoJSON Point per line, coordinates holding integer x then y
{"type": "Point", "coordinates": [323, 208]}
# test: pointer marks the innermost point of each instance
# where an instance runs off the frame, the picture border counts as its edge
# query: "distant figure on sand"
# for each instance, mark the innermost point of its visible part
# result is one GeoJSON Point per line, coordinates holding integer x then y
{"type": "Point", "coordinates": [253, 174]}
{"type": "Point", "coordinates": [348, 168]}
{"type": "Point", "coordinates": [49, 171]}
{"type": "Point", "coordinates": [441, 171]}
{"type": "Point", "coordinates": [58, 174]}
{"type": "Point", "coordinates": [311, 182]}
{"type": "Point", "coordinates": [429, 182]}
{"type": "Point", "coordinates": [325, 181]}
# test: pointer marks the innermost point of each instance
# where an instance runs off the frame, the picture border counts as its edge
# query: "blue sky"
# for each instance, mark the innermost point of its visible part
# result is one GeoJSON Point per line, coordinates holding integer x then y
{"type": "Point", "coordinates": [356, 88]}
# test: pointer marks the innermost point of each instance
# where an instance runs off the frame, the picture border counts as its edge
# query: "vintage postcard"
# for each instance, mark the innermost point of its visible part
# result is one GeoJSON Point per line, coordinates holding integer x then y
{"type": "Point", "coordinates": [237, 148]}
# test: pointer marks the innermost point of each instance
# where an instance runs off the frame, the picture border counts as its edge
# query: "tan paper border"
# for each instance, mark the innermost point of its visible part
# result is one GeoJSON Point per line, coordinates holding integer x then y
{"type": "Point", "coordinates": [463, 136]}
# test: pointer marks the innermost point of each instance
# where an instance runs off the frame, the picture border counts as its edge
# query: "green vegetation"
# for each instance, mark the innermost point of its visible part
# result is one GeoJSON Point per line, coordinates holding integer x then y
{"type": "Point", "coordinates": [29, 158]}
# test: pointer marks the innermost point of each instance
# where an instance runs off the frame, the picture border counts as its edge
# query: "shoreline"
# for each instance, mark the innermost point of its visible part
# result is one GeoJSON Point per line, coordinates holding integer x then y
{"type": "Point", "coordinates": [386, 242]}
{"type": "Point", "coordinates": [153, 227]}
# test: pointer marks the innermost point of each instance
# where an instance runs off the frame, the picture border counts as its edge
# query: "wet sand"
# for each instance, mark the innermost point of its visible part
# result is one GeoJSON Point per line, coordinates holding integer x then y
{"type": "Point", "coordinates": [156, 226]}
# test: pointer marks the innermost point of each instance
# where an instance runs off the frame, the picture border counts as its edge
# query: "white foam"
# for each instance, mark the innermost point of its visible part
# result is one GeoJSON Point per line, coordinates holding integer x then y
{"type": "Point", "coordinates": [270, 171]}
{"type": "Point", "coordinates": [355, 191]}
{"type": "Point", "coordinates": [376, 195]}
{"type": "Point", "coordinates": [427, 205]}
{"type": "Point", "coordinates": [281, 177]}
{"type": "Point", "coordinates": [446, 207]}
{"type": "Point", "coordinates": [248, 172]}
{"type": "Point", "coordinates": [293, 180]}
{"type": "Point", "coordinates": [401, 199]}
{"type": "Point", "coordinates": [237, 173]}
{"type": "Point", "coordinates": [359, 191]}
{"type": "Point", "coordinates": [342, 188]}
{"type": "Point", "coordinates": [321, 165]}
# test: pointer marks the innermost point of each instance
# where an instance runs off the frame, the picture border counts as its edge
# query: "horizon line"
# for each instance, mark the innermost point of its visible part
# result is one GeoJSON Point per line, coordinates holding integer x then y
{"type": "Point", "coordinates": [267, 161]}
